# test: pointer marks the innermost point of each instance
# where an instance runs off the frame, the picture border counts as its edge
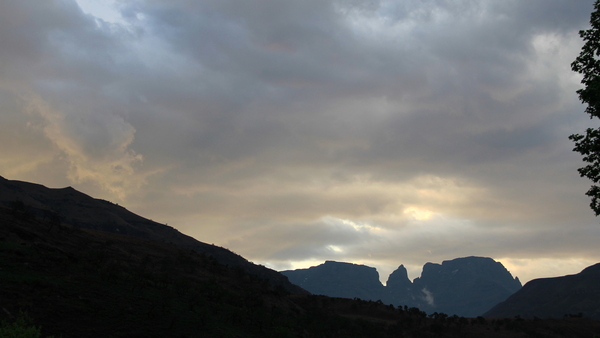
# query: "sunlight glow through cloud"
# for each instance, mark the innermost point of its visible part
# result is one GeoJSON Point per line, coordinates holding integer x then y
{"type": "Point", "coordinates": [112, 168]}
{"type": "Point", "coordinates": [419, 214]}
{"type": "Point", "coordinates": [103, 9]}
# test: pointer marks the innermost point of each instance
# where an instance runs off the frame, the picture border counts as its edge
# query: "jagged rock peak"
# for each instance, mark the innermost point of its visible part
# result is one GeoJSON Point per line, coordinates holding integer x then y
{"type": "Point", "coordinates": [398, 278]}
{"type": "Point", "coordinates": [466, 286]}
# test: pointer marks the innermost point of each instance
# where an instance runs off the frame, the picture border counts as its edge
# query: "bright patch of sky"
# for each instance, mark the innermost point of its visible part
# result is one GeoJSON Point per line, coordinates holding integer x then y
{"type": "Point", "coordinates": [528, 269]}
{"type": "Point", "coordinates": [102, 9]}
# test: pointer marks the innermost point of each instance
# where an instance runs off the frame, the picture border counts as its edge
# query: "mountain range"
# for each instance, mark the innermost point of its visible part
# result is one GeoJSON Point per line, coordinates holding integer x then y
{"type": "Point", "coordinates": [466, 286]}
{"type": "Point", "coordinates": [69, 258]}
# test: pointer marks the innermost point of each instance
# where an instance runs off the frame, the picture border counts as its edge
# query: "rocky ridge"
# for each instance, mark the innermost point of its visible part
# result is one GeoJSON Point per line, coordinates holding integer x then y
{"type": "Point", "coordinates": [466, 286]}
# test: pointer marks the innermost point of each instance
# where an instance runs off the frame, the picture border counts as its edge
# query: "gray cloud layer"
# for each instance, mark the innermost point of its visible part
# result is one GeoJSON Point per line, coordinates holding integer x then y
{"type": "Point", "coordinates": [381, 132]}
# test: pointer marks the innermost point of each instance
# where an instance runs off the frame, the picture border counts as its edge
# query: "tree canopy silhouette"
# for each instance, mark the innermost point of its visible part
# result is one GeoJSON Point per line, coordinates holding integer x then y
{"type": "Point", "coordinates": [588, 144]}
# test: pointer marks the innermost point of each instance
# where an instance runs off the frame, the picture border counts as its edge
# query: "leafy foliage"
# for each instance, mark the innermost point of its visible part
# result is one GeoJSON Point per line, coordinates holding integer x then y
{"type": "Point", "coordinates": [588, 64]}
{"type": "Point", "coordinates": [21, 327]}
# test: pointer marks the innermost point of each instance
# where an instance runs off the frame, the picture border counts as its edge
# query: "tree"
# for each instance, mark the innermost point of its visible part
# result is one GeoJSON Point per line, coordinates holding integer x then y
{"type": "Point", "coordinates": [588, 64]}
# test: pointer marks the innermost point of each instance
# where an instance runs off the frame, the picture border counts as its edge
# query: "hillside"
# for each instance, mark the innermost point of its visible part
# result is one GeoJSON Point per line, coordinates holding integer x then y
{"type": "Point", "coordinates": [77, 209]}
{"type": "Point", "coordinates": [577, 294]}
{"type": "Point", "coordinates": [77, 282]}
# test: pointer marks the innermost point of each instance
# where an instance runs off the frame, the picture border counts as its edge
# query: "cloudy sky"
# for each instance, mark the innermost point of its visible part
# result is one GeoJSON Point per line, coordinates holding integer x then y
{"type": "Point", "coordinates": [379, 132]}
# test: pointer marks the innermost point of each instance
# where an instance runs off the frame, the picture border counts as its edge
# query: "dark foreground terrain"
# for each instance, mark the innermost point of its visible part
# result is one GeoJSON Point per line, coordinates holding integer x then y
{"type": "Point", "coordinates": [75, 282]}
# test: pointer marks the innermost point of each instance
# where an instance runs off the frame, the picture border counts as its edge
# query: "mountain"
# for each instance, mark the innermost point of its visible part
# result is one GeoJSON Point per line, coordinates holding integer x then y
{"type": "Point", "coordinates": [80, 210]}
{"type": "Point", "coordinates": [556, 297]}
{"type": "Point", "coordinates": [336, 279]}
{"type": "Point", "coordinates": [398, 288]}
{"type": "Point", "coordinates": [464, 286]}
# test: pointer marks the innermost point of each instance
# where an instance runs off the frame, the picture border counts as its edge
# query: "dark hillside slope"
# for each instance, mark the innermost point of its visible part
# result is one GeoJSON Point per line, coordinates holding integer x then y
{"type": "Point", "coordinates": [80, 210]}
{"type": "Point", "coordinates": [87, 283]}
{"type": "Point", "coordinates": [555, 297]}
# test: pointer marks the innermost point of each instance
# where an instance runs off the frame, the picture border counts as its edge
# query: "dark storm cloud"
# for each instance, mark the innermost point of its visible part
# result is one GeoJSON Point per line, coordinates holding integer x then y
{"type": "Point", "coordinates": [262, 69]}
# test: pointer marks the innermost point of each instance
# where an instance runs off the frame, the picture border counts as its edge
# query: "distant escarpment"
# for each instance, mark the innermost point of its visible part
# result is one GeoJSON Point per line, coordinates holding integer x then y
{"type": "Point", "coordinates": [464, 286]}
{"type": "Point", "coordinates": [572, 295]}
{"type": "Point", "coordinates": [336, 279]}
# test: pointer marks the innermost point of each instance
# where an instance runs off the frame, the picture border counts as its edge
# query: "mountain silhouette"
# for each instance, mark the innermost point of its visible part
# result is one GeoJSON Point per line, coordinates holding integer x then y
{"type": "Point", "coordinates": [466, 286]}
{"type": "Point", "coordinates": [335, 279]}
{"type": "Point", "coordinates": [78, 209]}
{"type": "Point", "coordinates": [556, 297]}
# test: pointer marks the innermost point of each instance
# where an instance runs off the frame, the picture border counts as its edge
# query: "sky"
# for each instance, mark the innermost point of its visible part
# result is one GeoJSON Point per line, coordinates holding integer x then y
{"type": "Point", "coordinates": [376, 132]}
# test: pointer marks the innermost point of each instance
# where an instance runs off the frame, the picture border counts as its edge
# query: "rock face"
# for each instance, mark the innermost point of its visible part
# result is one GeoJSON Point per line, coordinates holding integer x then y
{"type": "Point", "coordinates": [398, 288]}
{"type": "Point", "coordinates": [78, 209]}
{"type": "Point", "coordinates": [464, 286]}
{"type": "Point", "coordinates": [555, 297]}
{"type": "Point", "coordinates": [337, 279]}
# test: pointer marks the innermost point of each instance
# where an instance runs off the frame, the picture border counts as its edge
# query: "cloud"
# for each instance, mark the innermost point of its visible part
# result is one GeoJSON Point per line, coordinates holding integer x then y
{"type": "Point", "coordinates": [95, 146]}
{"type": "Point", "coordinates": [428, 296]}
{"type": "Point", "coordinates": [292, 131]}
{"type": "Point", "coordinates": [61, 71]}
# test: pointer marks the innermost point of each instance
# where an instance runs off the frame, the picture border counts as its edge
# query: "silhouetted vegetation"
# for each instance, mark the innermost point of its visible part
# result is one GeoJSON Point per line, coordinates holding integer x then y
{"type": "Point", "coordinates": [588, 65]}
{"type": "Point", "coordinates": [19, 327]}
